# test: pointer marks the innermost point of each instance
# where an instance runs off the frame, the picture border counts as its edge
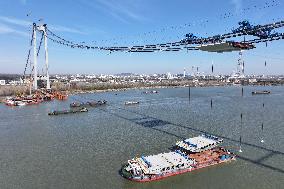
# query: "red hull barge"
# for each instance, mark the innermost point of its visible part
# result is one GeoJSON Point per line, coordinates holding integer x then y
{"type": "Point", "coordinates": [188, 155]}
{"type": "Point", "coordinates": [154, 178]}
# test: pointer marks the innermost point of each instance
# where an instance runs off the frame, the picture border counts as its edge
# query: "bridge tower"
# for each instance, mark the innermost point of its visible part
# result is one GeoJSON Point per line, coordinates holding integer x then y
{"type": "Point", "coordinates": [41, 28]}
{"type": "Point", "coordinates": [241, 65]}
{"type": "Point", "coordinates": [35, 56]}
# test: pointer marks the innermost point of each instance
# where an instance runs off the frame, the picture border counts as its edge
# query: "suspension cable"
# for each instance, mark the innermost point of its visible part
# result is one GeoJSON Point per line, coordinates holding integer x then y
{"type": "Point", "coordinates": [40, 43]}
{"type": "Point", "coordinates": [29, 53]}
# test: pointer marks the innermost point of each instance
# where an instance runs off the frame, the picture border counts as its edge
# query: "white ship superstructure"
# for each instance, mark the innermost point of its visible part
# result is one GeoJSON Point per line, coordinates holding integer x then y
{"type": "Point", "coordinates": [199, 143]}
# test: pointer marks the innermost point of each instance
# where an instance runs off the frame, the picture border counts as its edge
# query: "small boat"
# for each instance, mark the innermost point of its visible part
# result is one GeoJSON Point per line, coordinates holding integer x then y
{"type": "Point", "coordinates": [20, 103]}
{"type": "Point", "coordinates": [12, 102]}
{"type": "Point", "coordinates": [150, 92]}
{"type": "Point", "coordinates": [131, 102]}
{"type": "Point", "coordinates": [9, 102]}
{"type": "Point", "coordinates": [97, 103]}
{"type": "Point", "coordinates": [76, 104]}
{"type": "Point", "coordinates": [260, 92]}
{"type": "Point", "coordinates": [31, 102]}
{"type": "Point", "coordinates": [154, 92]}
{"type": "Point", "coordinates": [68, 111]}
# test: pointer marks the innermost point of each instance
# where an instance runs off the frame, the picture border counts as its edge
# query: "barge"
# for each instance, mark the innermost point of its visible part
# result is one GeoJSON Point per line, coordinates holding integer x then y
{"type": "Point", "coordinates": [60, 112]}
{"type": "Point", "coordinates": [186, 156]}
{"type": "Point", "coordinates": [88, 104]}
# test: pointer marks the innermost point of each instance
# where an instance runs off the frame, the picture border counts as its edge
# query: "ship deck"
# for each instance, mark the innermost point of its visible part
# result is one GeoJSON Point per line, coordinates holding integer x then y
{"type": "Point", "coordinates": [199, 143]}
{"type": "Point", "coordinates": [208, 155]}
{"type": "Point", "coordinates": [163, 160]}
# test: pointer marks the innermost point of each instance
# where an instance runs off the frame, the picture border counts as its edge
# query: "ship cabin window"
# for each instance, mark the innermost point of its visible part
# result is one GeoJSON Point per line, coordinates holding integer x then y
{"type": "Point", "coordinates": [164, 169]}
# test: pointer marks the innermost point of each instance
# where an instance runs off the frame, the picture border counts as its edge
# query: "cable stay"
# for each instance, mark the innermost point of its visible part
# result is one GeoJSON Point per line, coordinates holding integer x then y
{"type": "Point", "coordinates": [240, 150]}
{"type": "Point", "coordinates": [211, 100]}
{"type": "Point", "coordinates": [212, 68]}
{"type": "Point", "coordinates": [241, 126]}
{"type": "Point", "coordinates": [216, 43]}
{"type": "Point", "coordinates": [262, 140]}
{"type": "Point", "coordinates": [262, 125]}
{"type": "Point", "coordinates": [189, 93]}
{"type": "Point", "coordinates": [263, 112]}
{"type": "Point", "coordinates": [40, 43]}
{"type": "Point", "coordinates": [29, 54]}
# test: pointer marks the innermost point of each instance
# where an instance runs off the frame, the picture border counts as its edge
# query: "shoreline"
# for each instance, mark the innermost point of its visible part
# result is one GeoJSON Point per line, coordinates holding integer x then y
{"type": "Point", "coordinates": [81, 91]}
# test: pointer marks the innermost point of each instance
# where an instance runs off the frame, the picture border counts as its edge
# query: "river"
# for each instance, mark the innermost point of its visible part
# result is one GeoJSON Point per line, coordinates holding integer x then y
{"type": "Point", "coordinates": [86, 150]}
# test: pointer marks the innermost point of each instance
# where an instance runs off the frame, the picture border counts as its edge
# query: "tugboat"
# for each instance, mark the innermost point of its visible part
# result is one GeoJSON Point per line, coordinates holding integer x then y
{"type": "Point", "coordinates": [260, 92]}
{"type": "Point", "coordinates": [187, 155]}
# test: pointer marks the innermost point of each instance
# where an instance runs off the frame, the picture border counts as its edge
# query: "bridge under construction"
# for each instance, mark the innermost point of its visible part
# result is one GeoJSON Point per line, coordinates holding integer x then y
{"type": "Point", "coordinates": [218, 43]}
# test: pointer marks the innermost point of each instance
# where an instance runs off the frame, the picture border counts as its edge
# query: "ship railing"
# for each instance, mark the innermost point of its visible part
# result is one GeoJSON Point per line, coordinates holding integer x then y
{"type": "Point", "coordinates": [182, 154]}
{"type": "Point", "coordinates": [190, 144]}
{"type": "Point", "coordinates": [146, 161]}
{"type": "Point", "coordinates": [211, 137]}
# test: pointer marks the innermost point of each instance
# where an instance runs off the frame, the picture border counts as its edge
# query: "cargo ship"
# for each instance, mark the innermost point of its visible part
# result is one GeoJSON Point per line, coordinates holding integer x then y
{"type": "Point", "coordinates": [187, 155]}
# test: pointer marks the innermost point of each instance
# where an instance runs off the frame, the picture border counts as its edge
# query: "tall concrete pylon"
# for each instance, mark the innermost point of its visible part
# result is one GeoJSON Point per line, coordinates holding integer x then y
{"type": "Point", "coordinates": [43, 29]}
{"type": "Point", "coordinates": [35, 56]}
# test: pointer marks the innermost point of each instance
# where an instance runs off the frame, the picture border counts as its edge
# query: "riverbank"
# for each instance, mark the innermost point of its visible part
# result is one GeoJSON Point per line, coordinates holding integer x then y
{"type": "Point", "coordinates": [81, 88]}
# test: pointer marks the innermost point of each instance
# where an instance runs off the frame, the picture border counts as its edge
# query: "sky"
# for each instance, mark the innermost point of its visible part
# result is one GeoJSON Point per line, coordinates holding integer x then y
{"type": "Point", "coordinates": [135, 22]}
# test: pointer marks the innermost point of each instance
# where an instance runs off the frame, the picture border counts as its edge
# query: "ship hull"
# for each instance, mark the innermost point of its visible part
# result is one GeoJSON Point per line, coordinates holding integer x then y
{"type": "Point", "coordinates": [159, 177]}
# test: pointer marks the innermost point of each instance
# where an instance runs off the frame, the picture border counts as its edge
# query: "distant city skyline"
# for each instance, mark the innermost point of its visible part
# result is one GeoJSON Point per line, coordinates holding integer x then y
{"type": "Point", "coordinates": [130, 22]}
